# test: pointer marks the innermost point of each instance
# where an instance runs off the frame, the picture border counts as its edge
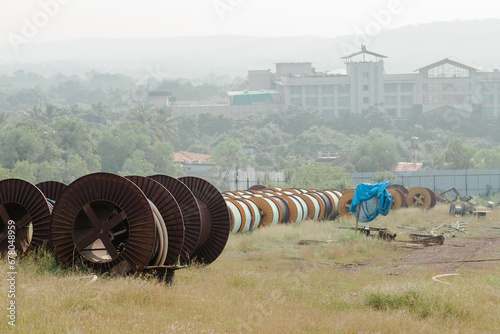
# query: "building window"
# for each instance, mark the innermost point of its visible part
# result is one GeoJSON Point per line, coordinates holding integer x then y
{"type": "Point", "coordinates": [366, 100]}
{"type": "Point", "coordinates": [296, 101]}
{"type": "Point", "coordinates": [327, 102]}
{"type": "Point", "coordinates": [391, 88]}
{"type": "Point", "coordinates": [407, 88]}
{"type": "Point", "coordinates": [296, 90]}
{"type": "Point", "coordinates": [366, 75]}
{"type": "Point", "coordinates": [311, 90]}
{"type": "Point", "coordinates": [448, 71]}
{"type": "Point", "coordinates": [488, 98]}
{"type": "Point", "coordinates": [488, 112]}
{"type": "Point", "coordinates": [391, 100]}
{"type": "Point", "coordinates": [329, 114]}
{"type": "Point", "coordinates": [407, 100]}
{"type": "Point", "coordinates": [488, 87]}
{"type": "Point", "coordinates": [366, 87]}
{"type": "Point", "coordinates": [312, 101]}
{"type": "Point", "coordinates": [344, 101]}
{"type": "Point", "coordinates": [447, 99]}
{"type": "Point", "coordinates": [327, 90]}
{"type": "Point", "coordinates": [440, 87]}
{"type": "Point", "coordinates": [406, 112]}
{"type": "Point", "coordinates": [343, 112]}
{"type": "Point", "coordinates": [344, 89]}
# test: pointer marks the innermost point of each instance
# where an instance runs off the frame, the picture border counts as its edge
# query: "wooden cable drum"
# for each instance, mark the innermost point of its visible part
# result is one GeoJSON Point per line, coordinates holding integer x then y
{"type": "Point", "coordinates": [255, 214]}
{"type": "Point", "coordinates": [273, 189]}
{"type": "Point", "coordinates": [345, 202]}
{"type": "Point", "coordinates": [334, 196]}
{"type": "Point", "coordinates": [257, 187]}
{"type": "Point", "coordinates": [419, 197]}
{"type": "Point", "coordinates": [52, 189]}
{"type": "Point", "coordinates": [247, 222]}
{"type": "Point", "coordinates": [312, 206]}
{"type": "Point", "coordinates": [295, 209]}
{"type": "Point", "coordinates": [234, 216]}
{"type": "Point", "coordinates": [279, 205]}
{"type": "Point", "coordinates": [433, 198]}
{"type": "Point", "coordinates": [321, 204]}
{"type": "Point", "coordinates": [396, 198]}
{"type": "Point", "coordinates": [268, 211]}
{"type": "Point", "coordinates": [285, 217]}
{"type": "Point", "coordinates": [399, 187]}
{"type": "Point", "coordinates": [238, 214]}
{"type": "Point", "coordinates": [303, 206]}
{"type": "Point", "coordinates": [329, 204]}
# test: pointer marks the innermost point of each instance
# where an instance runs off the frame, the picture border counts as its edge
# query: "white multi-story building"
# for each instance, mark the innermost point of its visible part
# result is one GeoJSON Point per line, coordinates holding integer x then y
{"type": "Point", "coordinates": [446, 86]}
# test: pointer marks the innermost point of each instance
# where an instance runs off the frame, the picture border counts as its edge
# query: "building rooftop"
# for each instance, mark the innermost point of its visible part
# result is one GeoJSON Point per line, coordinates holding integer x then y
{"type": "Point", "coordinates": [407, 167]}
{"type": "Point", "coordinates": [192, 158]}
{"type": "Point", "coordinates": [450, 61]}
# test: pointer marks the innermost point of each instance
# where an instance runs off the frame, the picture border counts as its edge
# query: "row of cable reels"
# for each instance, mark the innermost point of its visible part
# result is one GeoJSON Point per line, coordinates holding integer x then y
{"type": "Point", "coordinates": [266, 206]}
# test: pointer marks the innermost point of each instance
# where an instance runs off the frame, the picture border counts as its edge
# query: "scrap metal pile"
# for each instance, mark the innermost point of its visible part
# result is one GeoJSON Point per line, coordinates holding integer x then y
{"type": "Point", "coordinates": [116, 224]}
{"type": "Point", "coordinates": [263, 206]}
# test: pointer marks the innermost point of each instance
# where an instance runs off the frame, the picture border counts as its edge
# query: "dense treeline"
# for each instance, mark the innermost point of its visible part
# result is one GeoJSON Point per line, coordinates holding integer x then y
{"type": "Point", "coordinates": [62, 127]}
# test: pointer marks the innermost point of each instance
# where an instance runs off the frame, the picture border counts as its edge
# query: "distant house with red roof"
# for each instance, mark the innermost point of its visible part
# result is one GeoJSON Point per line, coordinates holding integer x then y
{"type": "Point", "coordinates": [194, 164]}
{"type": "Point", "coordinates": [407, 167]}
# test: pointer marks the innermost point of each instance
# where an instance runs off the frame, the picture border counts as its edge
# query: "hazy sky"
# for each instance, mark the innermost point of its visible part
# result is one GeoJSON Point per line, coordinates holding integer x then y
{"type": "Point", "coordinates": [75, 19]}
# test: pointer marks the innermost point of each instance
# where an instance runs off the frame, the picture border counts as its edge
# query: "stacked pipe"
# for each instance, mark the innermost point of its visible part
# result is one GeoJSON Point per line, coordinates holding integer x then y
{"type": "Point", "coordinates": [266, 206]}
{"type": "Point", "coordinates": [117, 224]}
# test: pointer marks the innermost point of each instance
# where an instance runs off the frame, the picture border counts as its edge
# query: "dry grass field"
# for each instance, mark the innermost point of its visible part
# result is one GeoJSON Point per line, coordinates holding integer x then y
{"type": "Point", "coordinates": [309, 278]}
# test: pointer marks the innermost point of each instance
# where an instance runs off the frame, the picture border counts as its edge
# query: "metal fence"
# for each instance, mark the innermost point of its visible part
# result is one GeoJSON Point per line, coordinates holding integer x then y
{"type": "Point", "coordinates": [468, 182]}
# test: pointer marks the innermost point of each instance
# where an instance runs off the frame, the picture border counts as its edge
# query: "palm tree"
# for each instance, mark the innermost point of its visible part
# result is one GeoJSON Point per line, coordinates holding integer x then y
{"type": "Point", "coordinates": [159, 119]}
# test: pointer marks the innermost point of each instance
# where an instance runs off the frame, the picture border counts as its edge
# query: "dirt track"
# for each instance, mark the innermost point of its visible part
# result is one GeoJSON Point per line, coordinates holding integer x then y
{"type": "Point", "coordinates": [470, 251]}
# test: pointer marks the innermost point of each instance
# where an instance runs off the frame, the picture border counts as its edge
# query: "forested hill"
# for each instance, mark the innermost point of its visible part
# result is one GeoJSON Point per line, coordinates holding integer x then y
{"type": "Point", "coordinates": [408, 48]}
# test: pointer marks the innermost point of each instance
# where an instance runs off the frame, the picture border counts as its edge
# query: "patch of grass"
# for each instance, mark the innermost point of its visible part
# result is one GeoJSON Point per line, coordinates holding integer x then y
{"type": "Point", "coordinates": [416, 302]}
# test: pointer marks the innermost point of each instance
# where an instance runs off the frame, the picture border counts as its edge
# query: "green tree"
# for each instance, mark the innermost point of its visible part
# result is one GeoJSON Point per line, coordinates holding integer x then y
{"type": "Point", "coordinates": [137, 165]}
{"type": "Point", "coordinates": [458, 156]}
{"type": "Point", "coordinates": [320, 176]}
{"type": "Point", "coordinates": [117, 143]}
{"type": "Point", "coordinates": [376, 154]}
{"type": "Point", "coordinates": [229, 155]}
{"type": "Point", "coordinates": [25, 170]}
{"type": "Point", "coordinates": [488, 158]}
{"type": "Point", "coordinates": [4, 173]}
{"type": "Point", "coordinates": [159, 120]}
{"type": "Point", "coordinates": [20, 144]}
{"type": "Point", "coordinates": [161, 155]}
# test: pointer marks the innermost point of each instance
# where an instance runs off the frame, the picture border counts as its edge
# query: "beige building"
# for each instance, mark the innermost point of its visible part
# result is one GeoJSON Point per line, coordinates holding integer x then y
{"type": "Point", "coordinates": [447, 86]}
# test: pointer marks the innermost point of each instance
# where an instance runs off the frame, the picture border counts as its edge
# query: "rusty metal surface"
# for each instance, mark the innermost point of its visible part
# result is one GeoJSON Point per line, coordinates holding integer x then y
{"type": "Point", "coordinates": [23, 203]}
{"type": "Point", "coordinates": [52, 189]}
{"type": "Point", "coordinates": [106, 221]}
{"type": "Point", "coordinates": [215, 218]}
{"type": "Point", "coordinates": [170, 211]}
{"type": "Point", "coordinates": [190, 213]}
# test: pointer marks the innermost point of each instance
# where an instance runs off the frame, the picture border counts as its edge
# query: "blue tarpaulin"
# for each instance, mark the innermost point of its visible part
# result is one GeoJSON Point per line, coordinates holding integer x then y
{"type": "Point", "coordinates": [371, 207]}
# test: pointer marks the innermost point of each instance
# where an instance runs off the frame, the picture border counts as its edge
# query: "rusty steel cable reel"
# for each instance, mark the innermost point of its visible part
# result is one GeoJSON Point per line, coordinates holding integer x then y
{"type": "Point", "coordinates": [52, 189]}
{"type": "Point", "coordinates": [22, 204]}
{"type": "Point", "coordinates": [214, 216]}
{"type": "Point", "coordinates": [171, 216]}
{"type": "Point", "coordinates": [106, 221]}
